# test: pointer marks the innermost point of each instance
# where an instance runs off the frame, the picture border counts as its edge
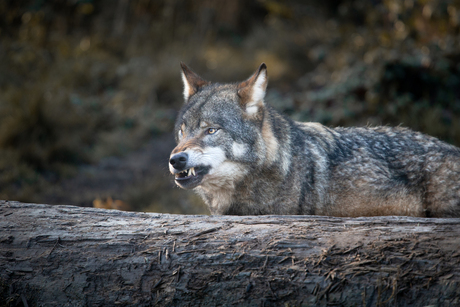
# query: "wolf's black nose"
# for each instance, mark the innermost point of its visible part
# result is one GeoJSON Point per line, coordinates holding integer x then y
{"type": "Point", "coordinates": [178, 161]}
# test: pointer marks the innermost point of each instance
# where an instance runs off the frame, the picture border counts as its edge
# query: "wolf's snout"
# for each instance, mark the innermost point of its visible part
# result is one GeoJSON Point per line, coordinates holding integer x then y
{"type": "Point", "coordinates": [178, 161]}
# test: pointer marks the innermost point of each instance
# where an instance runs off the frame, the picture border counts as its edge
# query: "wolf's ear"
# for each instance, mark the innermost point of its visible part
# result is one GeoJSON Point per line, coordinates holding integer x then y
{"type": "Point", "coordinates": [192, 82]}
{"type": "Point", "coordinates": [252, 91]}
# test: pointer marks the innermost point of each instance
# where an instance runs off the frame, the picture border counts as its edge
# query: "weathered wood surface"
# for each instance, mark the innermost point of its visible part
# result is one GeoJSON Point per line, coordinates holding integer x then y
{"type": "Point", "coordinates": [72, 256]}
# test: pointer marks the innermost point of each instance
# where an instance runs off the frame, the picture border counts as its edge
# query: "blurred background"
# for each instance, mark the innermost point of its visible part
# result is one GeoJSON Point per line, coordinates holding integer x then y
{"type": "Point", "coordinates": [89, 89]}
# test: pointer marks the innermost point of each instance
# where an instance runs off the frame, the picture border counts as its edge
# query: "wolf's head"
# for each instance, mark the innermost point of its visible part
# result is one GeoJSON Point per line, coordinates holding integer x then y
{"type": "Point", "coordinates": [219, 130]}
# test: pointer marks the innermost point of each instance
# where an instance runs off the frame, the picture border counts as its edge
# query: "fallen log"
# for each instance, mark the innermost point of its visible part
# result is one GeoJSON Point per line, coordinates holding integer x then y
{"type": "Point", "coordinates": [74, 256]}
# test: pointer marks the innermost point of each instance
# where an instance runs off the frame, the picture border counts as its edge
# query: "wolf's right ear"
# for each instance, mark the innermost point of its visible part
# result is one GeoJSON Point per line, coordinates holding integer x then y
{"type": "Point", "coordinates": [192, 82]}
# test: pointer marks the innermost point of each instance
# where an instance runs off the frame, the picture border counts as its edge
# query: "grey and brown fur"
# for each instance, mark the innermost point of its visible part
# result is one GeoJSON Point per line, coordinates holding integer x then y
{"type": "Point", "coordinates": [244, 158]}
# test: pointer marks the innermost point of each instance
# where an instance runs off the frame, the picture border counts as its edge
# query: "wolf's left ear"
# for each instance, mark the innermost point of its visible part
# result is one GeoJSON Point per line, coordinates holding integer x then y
{"type": "Point", "coordinates": [192, 82]}
{"type": "Point", "coordinates": [252, 91]}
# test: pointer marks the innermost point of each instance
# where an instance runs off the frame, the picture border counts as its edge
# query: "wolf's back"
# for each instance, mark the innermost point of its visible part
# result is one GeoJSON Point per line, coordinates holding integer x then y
{"type": "Point", "coordinates": [381, 171]}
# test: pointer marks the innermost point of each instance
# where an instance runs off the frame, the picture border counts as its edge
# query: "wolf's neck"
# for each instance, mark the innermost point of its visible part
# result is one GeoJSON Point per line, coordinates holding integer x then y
{"type": "Point", "coordinates": [277, 141]}
{"type": "Point", "coordinates": [218, 200]}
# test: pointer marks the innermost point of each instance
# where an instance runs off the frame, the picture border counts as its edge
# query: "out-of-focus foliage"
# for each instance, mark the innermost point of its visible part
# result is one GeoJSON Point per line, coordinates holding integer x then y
{"type": "Point", "coordinates": [391, 62]}
{"type": "Point", "coordinates": [83, 80]}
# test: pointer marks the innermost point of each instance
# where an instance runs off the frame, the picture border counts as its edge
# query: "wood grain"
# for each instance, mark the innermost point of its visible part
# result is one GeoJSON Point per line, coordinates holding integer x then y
{"type": "Point", "coordinates": [74, 256]}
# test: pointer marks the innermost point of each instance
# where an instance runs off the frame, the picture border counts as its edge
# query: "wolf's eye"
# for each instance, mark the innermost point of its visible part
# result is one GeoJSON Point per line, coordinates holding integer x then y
{"type": "Point", "coordinates": [211, 130]}
{"type": "Point", "coordinates": [180, 133]}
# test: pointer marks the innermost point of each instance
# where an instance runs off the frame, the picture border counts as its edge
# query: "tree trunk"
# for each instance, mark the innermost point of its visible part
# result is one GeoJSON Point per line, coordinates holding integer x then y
{"type": "Point", "coordinates": [73, 256]}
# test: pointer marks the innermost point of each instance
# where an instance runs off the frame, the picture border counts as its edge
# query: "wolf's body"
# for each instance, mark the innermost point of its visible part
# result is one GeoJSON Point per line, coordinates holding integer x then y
{"type": "Point", "coordinates": [244, 158]}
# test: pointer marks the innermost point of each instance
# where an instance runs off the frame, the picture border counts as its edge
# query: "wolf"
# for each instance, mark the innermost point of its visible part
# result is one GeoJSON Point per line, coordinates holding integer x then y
{"type": "Point", "coordinates": [244, 158]}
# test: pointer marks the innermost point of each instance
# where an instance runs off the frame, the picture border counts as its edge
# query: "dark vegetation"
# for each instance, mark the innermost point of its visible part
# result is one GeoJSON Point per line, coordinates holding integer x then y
{"type": "Point", "coordinates": [85, 85]}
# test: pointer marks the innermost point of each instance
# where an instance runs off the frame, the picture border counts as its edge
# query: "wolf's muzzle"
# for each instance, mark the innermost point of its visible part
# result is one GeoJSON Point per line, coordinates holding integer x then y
{"type": "Point", "coordinates": [186, 174]}
{"type": "Point", "coordinates": [179, 161]}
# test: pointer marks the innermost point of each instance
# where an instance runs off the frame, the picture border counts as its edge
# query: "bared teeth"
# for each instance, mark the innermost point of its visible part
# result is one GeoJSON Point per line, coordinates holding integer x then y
{"type": "Point", "coordinates": [187, 173]}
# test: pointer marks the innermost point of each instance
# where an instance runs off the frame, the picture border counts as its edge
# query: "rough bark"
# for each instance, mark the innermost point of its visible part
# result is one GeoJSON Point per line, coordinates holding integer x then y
{"type": "Point", "coordinates": [73, 256]}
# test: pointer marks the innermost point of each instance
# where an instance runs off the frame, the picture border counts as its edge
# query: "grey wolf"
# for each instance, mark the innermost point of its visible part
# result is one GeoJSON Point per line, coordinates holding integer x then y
{"type": "Point", "coordinates": [244, 158]}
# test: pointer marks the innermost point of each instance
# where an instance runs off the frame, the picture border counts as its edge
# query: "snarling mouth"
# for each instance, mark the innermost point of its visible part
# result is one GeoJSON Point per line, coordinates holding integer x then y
{"type": "Point", "coordinates": [186, 174]}
{"type": "Point", "coordinates": [191, 177]}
